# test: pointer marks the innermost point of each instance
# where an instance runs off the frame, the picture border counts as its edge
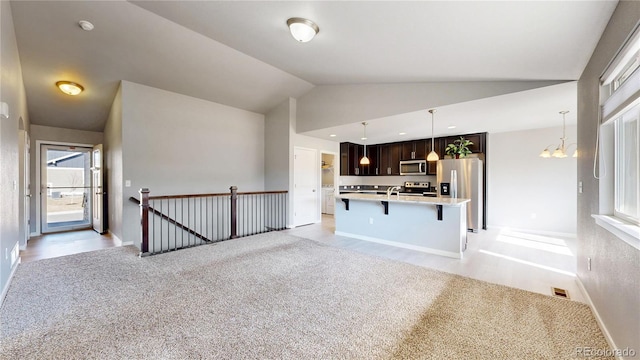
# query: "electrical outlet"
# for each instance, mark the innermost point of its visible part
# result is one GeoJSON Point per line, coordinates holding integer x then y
{"type": "Point", "coordinates": [370, 220]}
{"type": "Point", "coordinates": [589, 263]}
{"type": "Point", "coordinates": [579, 187]}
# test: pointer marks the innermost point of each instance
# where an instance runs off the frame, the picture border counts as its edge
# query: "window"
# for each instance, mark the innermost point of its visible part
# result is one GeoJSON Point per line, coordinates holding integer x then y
{"type": "Point", "coordinates": [627, 185]}
{"type": "Point", "coordinates": [619, 137]}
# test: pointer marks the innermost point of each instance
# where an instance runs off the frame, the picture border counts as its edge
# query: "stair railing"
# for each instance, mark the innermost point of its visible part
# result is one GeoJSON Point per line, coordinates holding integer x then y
{"type": "Point", "coordinates": [173, 222]}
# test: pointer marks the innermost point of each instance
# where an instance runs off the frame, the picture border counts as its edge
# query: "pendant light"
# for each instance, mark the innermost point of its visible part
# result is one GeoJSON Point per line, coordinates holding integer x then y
{"type": "Point", "coordinates": [433, 156]}
{"type": "Point", "coordinates": [561, 150]}
{"type": "Point", "coordinates": [365, 159]}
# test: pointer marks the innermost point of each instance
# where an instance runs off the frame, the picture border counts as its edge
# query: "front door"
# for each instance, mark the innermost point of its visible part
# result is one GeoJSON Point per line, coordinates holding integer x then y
{"type": "Point", "coordinates": [97, 189]}
{"type": "Point", "coordinates": [65, 188]}
{"type": "Point", "coordinates": [305, 190]}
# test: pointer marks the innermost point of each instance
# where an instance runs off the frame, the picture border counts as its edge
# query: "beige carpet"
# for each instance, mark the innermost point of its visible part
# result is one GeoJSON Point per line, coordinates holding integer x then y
{"type": "Point", "coordinates": [276, 296]}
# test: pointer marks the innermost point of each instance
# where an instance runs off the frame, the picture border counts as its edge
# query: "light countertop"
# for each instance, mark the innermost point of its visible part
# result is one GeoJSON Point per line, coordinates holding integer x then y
{"type": "Point", "coordinates": [404, 199]}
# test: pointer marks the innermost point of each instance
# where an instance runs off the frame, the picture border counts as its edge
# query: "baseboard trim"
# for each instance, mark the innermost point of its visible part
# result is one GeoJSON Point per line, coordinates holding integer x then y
{"type": "Point", "coordinates": [118, 241]}
{"type": "Point", "coordinates": [34, 234]}
{"type": "Point", "coordinates": [401, 245]}
{"type": "Point", "coordinates": [535, 232]}
{"type": "Point", "coordinates": [5, 290]}
{"type": "Point", "coordinates": [603, 328]}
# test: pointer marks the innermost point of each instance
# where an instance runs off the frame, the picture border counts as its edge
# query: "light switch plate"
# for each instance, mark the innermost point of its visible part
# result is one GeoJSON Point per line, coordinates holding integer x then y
{"type": "Point", "coordinates": [127, 183]}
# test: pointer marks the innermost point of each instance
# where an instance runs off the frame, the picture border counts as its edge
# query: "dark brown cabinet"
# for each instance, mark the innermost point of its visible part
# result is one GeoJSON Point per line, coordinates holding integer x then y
{"type": "Point", "coordinates": [432, 166]}
{"type": "Point", "coordinates": [385, 158]}
{"type": "Point", "coordinates": [478, 140]}
{"type": "Point", "coordinates": [350, 155]}
{"type": "Point", "coordinates": [390, 159]}
{"type": "Point", "coordinates": [414, 150]}
{"type": "Point", "coordinates": [372, 154]}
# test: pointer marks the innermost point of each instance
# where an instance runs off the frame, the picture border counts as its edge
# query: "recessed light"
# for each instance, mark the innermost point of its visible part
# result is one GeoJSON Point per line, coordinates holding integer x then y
{"type": "Point", "coordinates": [402, 133]}
{"type": "Point", "coordinates": [85, 25]}
{"type": "Point", "coordinates": [363, 138]}
{"type": "Point", "coordinates": [451, 127]}
{"type": "Point", "coordinates": [332, 135]}
{"type": "Point", "coordinates": [69, 88]}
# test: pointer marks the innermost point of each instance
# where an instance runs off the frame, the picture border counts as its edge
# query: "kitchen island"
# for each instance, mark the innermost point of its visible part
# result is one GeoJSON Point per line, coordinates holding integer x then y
{"type": "Point", "coordinates": [433, 225]}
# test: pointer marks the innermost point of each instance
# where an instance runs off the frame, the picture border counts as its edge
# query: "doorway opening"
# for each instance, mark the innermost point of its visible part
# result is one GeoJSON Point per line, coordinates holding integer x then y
{"type": "Point", "coordinates": [66, 188]}
{"type": "Point", "coordinates": [329, 180]}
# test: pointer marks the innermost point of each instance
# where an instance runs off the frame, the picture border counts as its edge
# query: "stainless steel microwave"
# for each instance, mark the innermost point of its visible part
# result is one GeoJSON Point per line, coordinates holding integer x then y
{"type": "Point", "coordinates": [413, 167]}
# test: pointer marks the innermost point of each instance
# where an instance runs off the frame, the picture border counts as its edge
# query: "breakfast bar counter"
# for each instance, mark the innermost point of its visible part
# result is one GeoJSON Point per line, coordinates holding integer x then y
{"type": "Point", "coordinates": [433, 225]}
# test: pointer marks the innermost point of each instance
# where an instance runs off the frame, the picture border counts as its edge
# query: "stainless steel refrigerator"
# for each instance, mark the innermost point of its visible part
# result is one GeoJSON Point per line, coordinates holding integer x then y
{"type": "Point", "coordinates": [469, 186]}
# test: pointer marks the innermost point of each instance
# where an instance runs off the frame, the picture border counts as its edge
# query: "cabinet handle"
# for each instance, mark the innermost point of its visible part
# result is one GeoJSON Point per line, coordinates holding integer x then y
{"type": "Point", "coordinates": [413, 155]}
{"type": "Point", "coordinates": [388, 171]}
{"type": "Point", "coordinates": [376, 171]}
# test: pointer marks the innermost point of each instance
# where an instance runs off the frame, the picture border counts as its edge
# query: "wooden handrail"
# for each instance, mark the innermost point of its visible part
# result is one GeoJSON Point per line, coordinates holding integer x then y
{"type": "Point", "coordinates": [165, 197]}
{"type": "Point", "coordinates": [171, 221]}
{"type": "Point", "coordinates": [145, 209]}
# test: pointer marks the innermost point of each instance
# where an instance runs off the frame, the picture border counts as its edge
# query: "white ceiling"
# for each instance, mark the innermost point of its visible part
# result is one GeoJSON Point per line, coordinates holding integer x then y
{"type": "Point", "coordinates": [239, 53]}
{"type": "Point", "coordinates": [532, 109]}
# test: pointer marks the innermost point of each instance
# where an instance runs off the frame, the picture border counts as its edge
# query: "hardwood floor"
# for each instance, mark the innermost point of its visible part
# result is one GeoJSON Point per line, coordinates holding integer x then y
{"type": "Point", "coordinates": [530, 262]}
{"type": "Point", "coordinates": [65, 243]}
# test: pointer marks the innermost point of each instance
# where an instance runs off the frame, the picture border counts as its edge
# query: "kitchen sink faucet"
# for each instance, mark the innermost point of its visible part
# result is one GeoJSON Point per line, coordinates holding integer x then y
{"type": "Point", "coordinates": [391, 189]}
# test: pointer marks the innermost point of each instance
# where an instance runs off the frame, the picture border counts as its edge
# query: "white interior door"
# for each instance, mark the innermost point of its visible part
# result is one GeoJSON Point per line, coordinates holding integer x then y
{"type": "Point", "coordinates": [97, 189]}
{"type": "Point", "coordinates": [305, 189]}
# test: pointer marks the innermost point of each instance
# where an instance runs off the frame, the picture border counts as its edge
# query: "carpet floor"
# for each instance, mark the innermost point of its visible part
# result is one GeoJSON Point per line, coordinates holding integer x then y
{"type": "Point", "coordinates": [276, 296]}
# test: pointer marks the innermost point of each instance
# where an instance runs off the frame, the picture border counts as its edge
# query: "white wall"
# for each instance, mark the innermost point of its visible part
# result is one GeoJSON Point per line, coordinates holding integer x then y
{"type": "Point", "coordinates": [11, 92]}
{"type": "Point", "coordinates": [277, 146]}
{"type": "Point", "coordinates": [176, 144]}
{"type": "Point", "coordinates": [613, 280]}
{"type": "Point", "coordinates": [527, 192]}
{"type": "Point", "coordinates": [113, 166]}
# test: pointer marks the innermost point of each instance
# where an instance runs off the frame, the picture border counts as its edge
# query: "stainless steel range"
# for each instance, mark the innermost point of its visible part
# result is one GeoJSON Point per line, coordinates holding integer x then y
{"type": "Point", "coordinates": [418, 188]}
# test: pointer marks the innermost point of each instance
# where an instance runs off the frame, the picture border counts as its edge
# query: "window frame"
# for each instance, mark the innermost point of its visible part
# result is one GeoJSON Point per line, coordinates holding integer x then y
{"type": "Point", "coordinates": [619, 100]}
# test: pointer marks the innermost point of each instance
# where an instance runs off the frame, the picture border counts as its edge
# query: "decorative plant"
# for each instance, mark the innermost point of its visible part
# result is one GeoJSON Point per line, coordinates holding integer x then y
{"type": "Point", "coordinates": [459, 148]}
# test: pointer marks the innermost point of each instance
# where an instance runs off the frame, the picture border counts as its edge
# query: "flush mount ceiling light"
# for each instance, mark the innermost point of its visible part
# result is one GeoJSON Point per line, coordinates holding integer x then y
{"type": "Point", "coordinates": [302, 29]}
{"type": "Point", "coordinates": [85, 25]}
{"type": "Point", "coordinates": [433, 155]}
{"type": "Point", "coordinates": [69, 88]}
{"type": "Point", "coordinates": [561, 150]}
{"type": "Point", "coordinates": [365, 159]}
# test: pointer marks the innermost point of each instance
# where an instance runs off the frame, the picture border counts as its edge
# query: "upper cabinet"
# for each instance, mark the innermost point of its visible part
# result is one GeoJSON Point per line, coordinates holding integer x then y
{"type": "Point", "coordinates": [415, 149]}
{"type": "Point", "coordinates": [390, 158]}
{"type": "Point", "coordinates": [478, 140]}
{"type": "Point", "coordinates": [385, 158]}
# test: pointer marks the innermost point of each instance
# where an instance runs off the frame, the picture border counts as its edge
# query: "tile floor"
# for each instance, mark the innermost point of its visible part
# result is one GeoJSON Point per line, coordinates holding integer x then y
{"type": "Point", "coordinates": [529, 262]}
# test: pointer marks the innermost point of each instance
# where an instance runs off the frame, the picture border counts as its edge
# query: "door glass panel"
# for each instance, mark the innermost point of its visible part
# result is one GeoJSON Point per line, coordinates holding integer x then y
{"type": "Point", "coordinates": [67, 200]}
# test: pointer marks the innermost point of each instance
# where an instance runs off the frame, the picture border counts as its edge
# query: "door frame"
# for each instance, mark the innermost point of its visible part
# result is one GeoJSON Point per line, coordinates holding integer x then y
{"type": "Point", "coordinates": [317, 177]}
{"type": "Point", "coordinates": [38, 195]}
{"type": "Point", "coordinates": [336, 172]}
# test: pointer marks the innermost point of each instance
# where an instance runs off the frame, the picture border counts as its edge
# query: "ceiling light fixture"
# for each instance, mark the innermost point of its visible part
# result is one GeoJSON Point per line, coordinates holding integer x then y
{"type": "Point", "coordinates": [85, 25]}
{"type": "Point", "coordinates": [451, 127]}
{"type": "Point", "coordinates": [433, 156]}
{"type": "Point", "coordinates": [302, 29]}
{"type": "Point", "coordinates": [561, 150]}
{"type": "Point", "coordinates": [402, 133]}
{"type": "Point", "coordinates": [69, 88]}
{"type": "Point", "coordinates": [332, 135]}
{"type": "Point", "coordinates": [365, 159]}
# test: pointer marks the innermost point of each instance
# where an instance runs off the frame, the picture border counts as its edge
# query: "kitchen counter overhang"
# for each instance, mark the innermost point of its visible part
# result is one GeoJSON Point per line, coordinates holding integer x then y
{"type": "Point", "coordinates": [429, 224]}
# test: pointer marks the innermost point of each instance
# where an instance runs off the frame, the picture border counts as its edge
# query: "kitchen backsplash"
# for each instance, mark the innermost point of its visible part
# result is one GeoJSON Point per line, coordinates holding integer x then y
{"type": "Point", "coordinates": [384, 180]}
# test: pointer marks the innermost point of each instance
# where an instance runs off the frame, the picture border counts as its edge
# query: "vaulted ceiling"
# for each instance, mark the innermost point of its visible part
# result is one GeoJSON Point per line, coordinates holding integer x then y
{"type": "Point", "coordinates": [239, 53]}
